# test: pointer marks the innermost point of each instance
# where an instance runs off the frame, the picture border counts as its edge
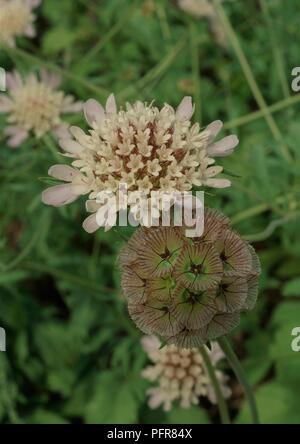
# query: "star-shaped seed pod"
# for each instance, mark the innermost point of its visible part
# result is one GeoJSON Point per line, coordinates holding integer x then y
{"type": "Point", "coordinates": [188, 290]}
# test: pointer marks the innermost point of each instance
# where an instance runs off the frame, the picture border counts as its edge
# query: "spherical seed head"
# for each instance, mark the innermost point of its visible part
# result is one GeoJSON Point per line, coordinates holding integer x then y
{"type": "Point", "coordinates": [16, 19]}
{"type": "Point", "coordinates": [189, 290]}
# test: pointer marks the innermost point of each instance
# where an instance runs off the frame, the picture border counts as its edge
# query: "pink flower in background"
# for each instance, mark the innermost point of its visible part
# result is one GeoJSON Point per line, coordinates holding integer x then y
{"type": "Point", "coordinates": [33, 104]}
{"type": "Point", "coordinates": [16, 19]}
{"type": "Point", "coordinates": [180, 374]}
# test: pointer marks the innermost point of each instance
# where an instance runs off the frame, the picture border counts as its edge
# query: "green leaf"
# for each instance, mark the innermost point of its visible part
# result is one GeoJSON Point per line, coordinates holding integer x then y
{"type": "Point", "coordinates": [292, 288]}
{"type": "Point", "coordinates": [57, 39]}
{"type": "Point", "coordinates": [193, 415]}
{"type": "Point", "coordinates": [276, 405]}
{"type": "Point", "coordinates": [42, 416]}
{"type": "Point", "coordinates": [112, 401]}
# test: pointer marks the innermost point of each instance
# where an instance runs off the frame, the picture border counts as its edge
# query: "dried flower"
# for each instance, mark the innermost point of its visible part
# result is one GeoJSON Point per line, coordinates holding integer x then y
{"type": "Point", "coordinates": [147, 148]}
{"type": "Point", "coordinates": [16, 19]}
{"type": "Point", "coordinates": [189, 290]}
{"type": "Point", "coordinates": [205, 8]}
{"type": "Point", "coordinates": [181, 374]}
{"type": "Point", "coordinates": [34, 104]}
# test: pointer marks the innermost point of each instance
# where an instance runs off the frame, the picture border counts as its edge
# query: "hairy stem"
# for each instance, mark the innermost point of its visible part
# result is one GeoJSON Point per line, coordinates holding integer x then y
{"type": "Point", "coordinates": [223, 409]}
{"type": "Point", "coordinates": [240, 374]}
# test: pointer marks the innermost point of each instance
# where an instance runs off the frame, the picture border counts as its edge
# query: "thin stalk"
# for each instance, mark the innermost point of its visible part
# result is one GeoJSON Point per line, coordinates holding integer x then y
{"type": "Point", "coordinates": [52, 148]}
{"type": "Point", "coordinates": [29, 246]}
{"type": "Point", "coordinates": [155, 72]}
{"type": "Point", "coordinates": [240, 374]}
{"type": "Point", "coordinates": [279, 62]}
{"type": "Point", "coordinates": [165, 28]}
{"type": "Point", "coordinates": [101, 92]}
{"type": "Point", "coordinates": [257, 209]}
{"type": "Point", "coordinates": [195, 70]}
{"type": "Point", "coordinates": [72, 279]}
{"type": "Point", "coordinates": [278, 106]}
{"type": "Point", "coordinates": [108, 36]}
{"type": "Point", "coordinates": [223, 409]}
{"type": "Point", "coordinates": [269, 230]}
{"type": "Point", "coordinates": [251, 79]}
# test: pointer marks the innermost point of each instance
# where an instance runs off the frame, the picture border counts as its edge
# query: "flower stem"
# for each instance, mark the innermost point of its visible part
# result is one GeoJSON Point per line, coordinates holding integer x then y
{"type": "Point", "coordinates": [240, 374]}
{"type": "Point", "coordinates": [223, 409]}
{"type": "Point", "coordinates": [32, 59]}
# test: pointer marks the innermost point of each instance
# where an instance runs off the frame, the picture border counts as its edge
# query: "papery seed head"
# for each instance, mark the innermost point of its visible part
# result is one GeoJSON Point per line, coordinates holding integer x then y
{"type": "Point", "coordinates": [200, 291]}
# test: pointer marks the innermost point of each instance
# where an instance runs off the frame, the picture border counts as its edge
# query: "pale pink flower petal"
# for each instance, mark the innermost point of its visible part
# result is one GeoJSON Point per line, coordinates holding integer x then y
{"type": "Point", "coordinates": [78, 134]}
{"type": "Point", "coordinates": [214, 128]}
{"type": "Point", "coordinates": [69, 106]}
{"type": "Point", "coordinates": [213, 171]}
{"type": "Point", "coordinates": [58, 195]}
{"type": "Point", "coordinates": [90, 224]}
{"type": "Point", "coordinates": [61, 131]}
{"type": "Point", "coordinates": [5, 103]}
{"type": "Point", "coordinates": [216, 353]}
{"type": "Point", "coordinates": [71, 146]}
{"type": "Point", "coordinates": [63, 172]}
{"type": "Point", "coordinates": [185, 109]}
{"type": "Point", "coordinates": [50, 78]}
{"type": "Point", "coordinates": [92, 206]}
{"type": "Point", "coordinates": [93, 112]}
{"type": "Point", "coordinates": [33, 3]}
{"type": "Point", "coordinates": [156, 399]}
{"type": "Point", "coordinates": [150, 343]}
{"type": "Point", "coordinates": [30, 31]}
{"type": "Point", "coordinates": [17, 138]}
{"type": "Point", "coordinates": [111, 106]}
{"type": "Point", "coordinates": [13, 80]}
{"type": "Point", "coordinates": [224, 147]}
{"type": "Point", "coordinates": [218, 183]}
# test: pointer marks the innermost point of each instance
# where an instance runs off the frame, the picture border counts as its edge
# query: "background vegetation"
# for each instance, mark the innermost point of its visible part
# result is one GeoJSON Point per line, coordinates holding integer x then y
{"type": "Point", "coordinates": [73, 355]}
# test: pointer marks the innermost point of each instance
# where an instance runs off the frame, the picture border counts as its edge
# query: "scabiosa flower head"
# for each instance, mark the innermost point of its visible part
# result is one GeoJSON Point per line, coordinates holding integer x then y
{"type": "Point", "coordinates": [186, 290]}
{"type": "Point", "coordinates": [142, 146]}
{"type": "Point", "coordinates": [205, 9]}
{"type": "Point", "coordinates": [16, 19]}
{"type": "Point", "coordinates": [181, 374]}
{"type": "Point", "coordinates": [34, 104]}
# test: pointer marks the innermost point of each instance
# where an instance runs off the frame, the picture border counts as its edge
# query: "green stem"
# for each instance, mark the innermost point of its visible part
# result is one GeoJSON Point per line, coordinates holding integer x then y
{"type": "Point", "coordinates": [109, 35]}
{"type": "Point", "coordinates": [100, 92]}
{"type": "Point", "coordinates": [195, 70]}
{"type": "Point", "coordinates": [278, 106]}
{"type": "Point", "coordinates": [156, 71]}
{"type": "Point", "coordinates": [49, 142]}
{"type": "Point", "coordinates": [249, 76]}
{"type": "Point", "coordinates": [165, 28]}
{"type": "Point", "coordinates": [278, 59]}
{"type": "Point", "coordinates": [223, 409]}
{"type": "Point", "coordinates": [269, 230]}
{"type": "Point", "coordinates": [240, 374]}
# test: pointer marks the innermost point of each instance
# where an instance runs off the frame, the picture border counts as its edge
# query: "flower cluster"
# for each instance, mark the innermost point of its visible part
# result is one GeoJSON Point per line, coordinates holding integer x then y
{"type": "Point", "coordinates": [16, 19]}
{"type": "Point", "coordinates": [189, 290]}
{"type": "Point", "coordinates": [34, 104]}
{"type": "Point", "coordinates": [142, 146]}
{"type": "Point", "coordinates": [181, 374]}
{"type": "Point", "coordinates": [205, 8]}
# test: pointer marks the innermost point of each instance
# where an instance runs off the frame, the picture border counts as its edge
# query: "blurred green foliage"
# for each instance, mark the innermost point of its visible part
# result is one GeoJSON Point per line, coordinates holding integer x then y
{"type": "Point", "coordinates": [73, 355]}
